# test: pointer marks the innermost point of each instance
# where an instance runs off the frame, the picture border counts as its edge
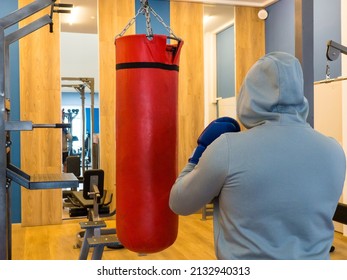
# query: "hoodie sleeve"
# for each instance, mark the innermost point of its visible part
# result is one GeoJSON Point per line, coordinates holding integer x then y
{"type": "Point", "coordinates": [198, 184]}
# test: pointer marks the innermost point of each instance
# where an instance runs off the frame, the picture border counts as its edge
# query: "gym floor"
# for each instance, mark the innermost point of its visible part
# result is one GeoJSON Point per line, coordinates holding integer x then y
{"type": "Point", "coordinates": [194, 242]}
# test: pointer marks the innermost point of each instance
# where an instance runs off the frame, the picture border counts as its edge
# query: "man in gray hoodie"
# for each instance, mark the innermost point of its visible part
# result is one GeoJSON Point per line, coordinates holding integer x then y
{"type": "Point", "coordinates": [276, 185]}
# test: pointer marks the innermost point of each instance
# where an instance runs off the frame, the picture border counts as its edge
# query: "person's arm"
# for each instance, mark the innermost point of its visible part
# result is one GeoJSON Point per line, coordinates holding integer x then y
{"type": "Point", "coordinates": [198, 184]}
{"type": "Point", "coordinates": [202, 178]}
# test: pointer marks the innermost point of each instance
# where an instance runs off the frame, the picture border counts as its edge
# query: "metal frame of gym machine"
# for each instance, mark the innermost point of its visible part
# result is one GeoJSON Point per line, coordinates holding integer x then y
{"type": "Point", "coordinates": [9, 172]}
{"type": "Point", "coordinates": [333, 51]}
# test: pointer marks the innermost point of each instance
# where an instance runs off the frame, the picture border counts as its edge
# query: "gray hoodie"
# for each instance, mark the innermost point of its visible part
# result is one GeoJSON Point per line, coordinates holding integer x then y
{"type": "Point", "coordinates": [276, 185]}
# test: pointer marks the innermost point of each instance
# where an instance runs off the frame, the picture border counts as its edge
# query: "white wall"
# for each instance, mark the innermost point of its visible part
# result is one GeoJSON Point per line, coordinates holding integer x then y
{"type": "Point", "coordinates": [79, 57]}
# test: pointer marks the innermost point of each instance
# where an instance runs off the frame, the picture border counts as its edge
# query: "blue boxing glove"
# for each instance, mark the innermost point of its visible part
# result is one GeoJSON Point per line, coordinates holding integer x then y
{"type": "Point", "coordinates": [211, 133]}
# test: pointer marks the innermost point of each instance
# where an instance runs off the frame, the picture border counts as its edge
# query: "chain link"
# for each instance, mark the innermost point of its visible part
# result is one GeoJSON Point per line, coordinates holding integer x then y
{"type": "Point", "coordinates": [130, 23]}
{"type": "Point", "coordinates": [148, 18]}
{"type": "Point", "coordinates": [168, 29]}
{"type": "Point", "coordinates": [146, 9]}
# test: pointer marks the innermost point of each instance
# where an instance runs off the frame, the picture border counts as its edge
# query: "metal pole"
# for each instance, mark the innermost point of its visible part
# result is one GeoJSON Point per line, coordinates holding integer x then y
{"type": "Point", "coordinates": [83, 98]}
{"type": "Point", "coordinates": [92, 122]}
{"type": "Point", "coordinates": [24, 12]}
{"type": "Point", "coordinates": [7, 137]}
{"type": "Point", "coordinates": [304, 48]}
{"type": "Point", "coordinates": [3, 155]}
{"type": "Point", "coordinates": [5, 41]}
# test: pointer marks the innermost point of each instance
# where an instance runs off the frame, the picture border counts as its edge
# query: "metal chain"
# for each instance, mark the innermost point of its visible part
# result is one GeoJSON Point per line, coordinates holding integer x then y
{"type": "Point", "coordinates": [130, 23]}
{"type": "Point", "coordinates": [146, 9]}
{"type": "Point", "coordinates": [168, 29]}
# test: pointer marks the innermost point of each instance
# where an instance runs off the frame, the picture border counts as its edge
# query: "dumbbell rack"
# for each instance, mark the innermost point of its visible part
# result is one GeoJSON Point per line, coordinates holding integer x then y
{"type": "Point", "coordinates": [9, 172]}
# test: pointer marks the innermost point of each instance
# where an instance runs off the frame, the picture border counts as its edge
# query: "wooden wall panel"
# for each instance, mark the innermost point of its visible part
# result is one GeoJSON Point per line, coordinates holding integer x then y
{"type": "Point", "coordinates": [187, 23]}
{"type": "Point", "coordinates": [113, 17]}
{"type": "Point", "coordinates": [40, 100]}
{"type": "Point", "coordinates": [249, 41]}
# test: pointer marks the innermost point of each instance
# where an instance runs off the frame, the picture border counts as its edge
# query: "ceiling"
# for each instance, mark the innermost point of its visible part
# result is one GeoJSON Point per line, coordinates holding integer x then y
{"type": "Point", "coordinates": [83, 18]}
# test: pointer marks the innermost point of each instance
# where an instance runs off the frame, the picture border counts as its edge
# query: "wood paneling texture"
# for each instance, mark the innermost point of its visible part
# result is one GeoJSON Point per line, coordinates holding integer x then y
{"type": "Point", "coordinates": [40, 100]}
{"type": "Point", "coordinates": [249, 41]}
{"type": "Point", "coordinates": [187, 23]}
{"type": "Point", "coordinates": [113, 17]}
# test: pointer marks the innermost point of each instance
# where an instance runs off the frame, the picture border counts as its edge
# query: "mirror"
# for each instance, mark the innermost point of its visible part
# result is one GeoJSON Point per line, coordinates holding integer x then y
{"type": "Point", "coordinates": [80, 84]}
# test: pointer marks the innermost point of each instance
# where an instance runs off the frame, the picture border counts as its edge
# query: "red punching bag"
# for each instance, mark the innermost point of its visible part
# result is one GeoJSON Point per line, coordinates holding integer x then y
{"type": "Point", "coordinates": [146, 141]}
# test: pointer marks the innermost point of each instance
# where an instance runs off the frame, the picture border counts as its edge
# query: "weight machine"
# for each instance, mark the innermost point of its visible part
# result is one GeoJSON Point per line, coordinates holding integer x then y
{"type": "Point", "coordinates": [70, 115]}
{"type": "Point", "coordinates": [333, 51]}
{"type": "Point", "coordinates": [9, 172]}
{"type": "Point", "coordinates": [79, 84]}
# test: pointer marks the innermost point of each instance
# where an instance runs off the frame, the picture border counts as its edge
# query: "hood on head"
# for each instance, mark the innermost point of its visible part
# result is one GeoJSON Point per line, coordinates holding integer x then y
{"type": "Point", "coordinates": [273, 90]}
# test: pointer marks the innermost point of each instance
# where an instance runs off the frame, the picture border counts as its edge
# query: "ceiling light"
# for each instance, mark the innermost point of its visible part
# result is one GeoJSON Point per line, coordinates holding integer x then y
{"type": "Point", "coordinates": [73, 16]}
